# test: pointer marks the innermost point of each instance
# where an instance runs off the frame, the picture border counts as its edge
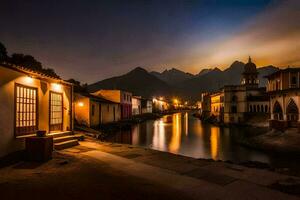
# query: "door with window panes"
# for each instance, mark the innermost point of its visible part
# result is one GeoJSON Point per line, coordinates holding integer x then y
{"type": "Point", "coordinates": [56, 111]}
{"type": "Point", "coordinates": [25, 110]}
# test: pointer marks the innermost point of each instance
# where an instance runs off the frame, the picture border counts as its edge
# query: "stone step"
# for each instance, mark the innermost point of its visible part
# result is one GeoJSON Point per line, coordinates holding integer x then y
{"type": "Point", "coordinates": [63, 138]}
{"type": "Point", "coordinates": [66, 144]}
{"type": "Point", "coordinates": [60, 134]}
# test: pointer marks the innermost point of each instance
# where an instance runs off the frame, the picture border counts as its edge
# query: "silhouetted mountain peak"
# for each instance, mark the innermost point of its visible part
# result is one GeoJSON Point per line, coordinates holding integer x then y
{"type": "Point", "coordinates": [173, 76]}
{"type": "Point", "coordinates": [138, 70]}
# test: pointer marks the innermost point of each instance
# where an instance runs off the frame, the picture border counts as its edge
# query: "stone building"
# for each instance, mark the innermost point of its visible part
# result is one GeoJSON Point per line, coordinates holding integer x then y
{"type": "Point", "coordinates": [217, 105]}
{"type": "Point", "coordinates": [247, 100]}
{"type": "Point", "coordinates": [284, 91]}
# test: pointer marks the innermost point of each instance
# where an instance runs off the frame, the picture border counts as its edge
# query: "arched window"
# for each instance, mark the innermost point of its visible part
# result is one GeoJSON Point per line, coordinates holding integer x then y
{"type": "Point", "coordinates": [258, 110]}
{"type": "Point", "coordinates": [254, 108]}
{"type": "Point", "coordinates": [292, 111]}
{"type": "Point", "coordinates": [250, 107]}
{"type": "Point", "coordinates": [277, 110]}
{"type": "Point", "coordinates": [266, 108]}
{"type": "Point", "coordinates": [234, 98]}
{"type": "Point", "coordinates": [262, 108]}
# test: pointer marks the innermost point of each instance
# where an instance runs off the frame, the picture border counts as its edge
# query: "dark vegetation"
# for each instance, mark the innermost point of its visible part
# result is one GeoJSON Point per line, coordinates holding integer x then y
{"type": "Point", "coordinates": [26, 61]}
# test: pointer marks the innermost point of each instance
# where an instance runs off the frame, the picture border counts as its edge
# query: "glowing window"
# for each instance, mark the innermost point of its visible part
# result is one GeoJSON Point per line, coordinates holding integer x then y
{"type": "Point", "coordinates": [26, 110]}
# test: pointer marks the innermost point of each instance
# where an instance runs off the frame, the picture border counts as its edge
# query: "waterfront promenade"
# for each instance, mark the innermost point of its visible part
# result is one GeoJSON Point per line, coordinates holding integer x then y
{"type": "Point", "coordinates": [96, 170]}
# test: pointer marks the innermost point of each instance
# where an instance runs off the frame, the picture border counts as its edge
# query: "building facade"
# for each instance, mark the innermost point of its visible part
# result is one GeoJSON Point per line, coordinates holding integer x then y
{"type": "Point", "coordinates": [217, 106]}
{"type": "Point", "coordinates": [31, 101]}
{"type": "Point", "coordinates": [239, 103]}
{"type": "Point", "coordinates": [160, 105]}
{"type": "Point", "coordinates": [92, 111]}
{"type": "Point", "coordinates": [246, 101]}
{"type": "Point", "coordinates": [283, 88]}
{"type": "Point", "coordinates": [121, 97]}
{"type": "Point", "coordinates": [205, 105]}
{"type": "Point", "coordinates": [136, 105]}
{"type": "Point", "coordinates": [146, 106]}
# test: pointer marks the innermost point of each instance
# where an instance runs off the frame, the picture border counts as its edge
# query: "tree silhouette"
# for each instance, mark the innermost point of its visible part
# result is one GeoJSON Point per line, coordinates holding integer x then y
{"type": "Point", "coordinates": [30, 62]}
{"type": "Point", "coordinates": [3, 53]}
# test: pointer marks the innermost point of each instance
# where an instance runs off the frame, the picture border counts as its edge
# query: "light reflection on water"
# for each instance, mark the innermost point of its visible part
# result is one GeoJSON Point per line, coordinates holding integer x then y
{"type": "Point", "coordinates": [183, 134]}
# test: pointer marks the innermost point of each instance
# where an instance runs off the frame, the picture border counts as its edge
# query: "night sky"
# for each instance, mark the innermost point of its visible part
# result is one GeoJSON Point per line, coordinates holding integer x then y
{"type": "Point", "coordinates": [92, 40]}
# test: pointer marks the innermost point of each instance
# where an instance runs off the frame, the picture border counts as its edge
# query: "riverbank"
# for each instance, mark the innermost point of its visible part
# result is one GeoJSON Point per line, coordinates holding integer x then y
{"type": "Point", "coordinates": [276, 141]}
{"type": "Point", "coordinates": [107, 130]}
{"type": "Point", "coordinates": [258, 135]}
{"type": "Point", "coordinates": [96, 170]}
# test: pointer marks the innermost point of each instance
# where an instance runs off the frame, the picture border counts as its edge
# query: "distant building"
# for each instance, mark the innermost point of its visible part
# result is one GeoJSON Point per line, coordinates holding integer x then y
{"type": "Point", "coordinates": [31, 101]}
{"type": "Point", "coordinates": [239, 103]}
{"type": "Point", "coordinates": [205, 105]}
{"type": "Point", "coordinates": [217, 105]}
{"type": "Point", "coordinates": [146, 106]}
{"type": "Point", "coordinates": [92, 111]}
{"type": "Point", "coordinates": [160, 105]}
{"type": "Point", "coordinates": [284, 90]}
{"type": "Point", "coordinates": [246, 101]}
{"type": "Point", "coordinates": [136, 105]}
{"type": "Point", "coordinates": [121, 97]}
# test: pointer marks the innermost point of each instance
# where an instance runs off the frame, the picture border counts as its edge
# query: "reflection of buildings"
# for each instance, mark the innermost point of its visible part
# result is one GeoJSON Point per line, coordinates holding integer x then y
{"type": "Point", "coordinates": [159, 135]}
{"type": "Point", "coordinates": [176, 133]}
{"type": "Point", "coordinates": [283, 88]}
{"type": "Point", "coordinates": [239, 103]}
{"type": "Point", "coordinates": [214, 142]}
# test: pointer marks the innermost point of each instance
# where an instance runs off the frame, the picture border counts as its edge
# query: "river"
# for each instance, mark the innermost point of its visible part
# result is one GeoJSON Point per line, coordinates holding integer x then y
{"type": "Point", "coordinates": [183, 134]}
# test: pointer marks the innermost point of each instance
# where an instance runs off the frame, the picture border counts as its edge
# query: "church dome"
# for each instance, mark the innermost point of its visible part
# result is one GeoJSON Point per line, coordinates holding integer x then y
{"type": "Point", "coordinates": [250, 67]}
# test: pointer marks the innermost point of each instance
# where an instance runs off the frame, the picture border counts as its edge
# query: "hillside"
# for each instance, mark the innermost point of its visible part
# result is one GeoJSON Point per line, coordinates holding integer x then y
{"type": "Point", "coordinates": [138, 81]}
{"type": "Point", "coordinates": [173, 76]}
{"type": "Point", "coordinates": [175, 82]}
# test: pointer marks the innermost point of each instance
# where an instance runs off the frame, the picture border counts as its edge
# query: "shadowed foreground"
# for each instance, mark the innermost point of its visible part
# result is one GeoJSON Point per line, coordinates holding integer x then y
{"type": "Point", "coordinates": [112, 171]}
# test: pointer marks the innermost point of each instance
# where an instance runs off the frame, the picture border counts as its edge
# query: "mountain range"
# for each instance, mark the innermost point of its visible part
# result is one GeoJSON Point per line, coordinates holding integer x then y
{"type": "Point", "coordinates": [175, 82]}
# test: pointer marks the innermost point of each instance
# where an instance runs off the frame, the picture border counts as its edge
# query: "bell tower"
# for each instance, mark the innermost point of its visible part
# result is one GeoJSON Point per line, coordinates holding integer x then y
{"type": "Point", "coordinates": [249, 76]}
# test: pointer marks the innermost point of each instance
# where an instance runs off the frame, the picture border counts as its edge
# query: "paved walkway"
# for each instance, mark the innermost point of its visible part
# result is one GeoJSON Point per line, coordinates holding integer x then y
{"type": "Point", "coordinates": [97, 170]}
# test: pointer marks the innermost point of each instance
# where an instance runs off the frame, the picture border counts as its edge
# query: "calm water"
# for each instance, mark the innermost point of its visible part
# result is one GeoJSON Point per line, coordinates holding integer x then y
{"type": "Point", "coordinates": [183, 134]}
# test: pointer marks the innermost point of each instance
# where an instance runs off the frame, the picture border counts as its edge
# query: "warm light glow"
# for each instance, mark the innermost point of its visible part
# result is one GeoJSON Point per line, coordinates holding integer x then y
{"type": "Point", "coordinates": [159, 135]}
{"type": "Point", "coordinates": [81, 104]}
{"type": "Point", "coordinates": [161, 98]}
{"type": "Point", "coordinates": [28, 80]}
{"type": "Point", "coordinates": [214, 142]}
{"type": "Point", "coordinates": [176, 134]}
{"type": "Point", "coordinates": [56, 87]}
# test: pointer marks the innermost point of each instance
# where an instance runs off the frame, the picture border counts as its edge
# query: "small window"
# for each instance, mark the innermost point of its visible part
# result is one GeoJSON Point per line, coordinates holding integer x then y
{"type": "Point", "coordinates": [93, 110]}
{"type": "Point", "coordinates": [251, 108]}
{"type": "Point", "coordinates": [294, 80]}
{"type": "Point", "coordinates": [266, 108]}
{"type": "Point", "coordinates": [233, 109]}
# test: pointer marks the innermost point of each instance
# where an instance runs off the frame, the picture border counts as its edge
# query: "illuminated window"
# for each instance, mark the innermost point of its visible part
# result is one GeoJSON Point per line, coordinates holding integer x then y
{"type": "Point", "coordinates": [26, 110]}
{"type": "Point", "coordinates": [56, 111]}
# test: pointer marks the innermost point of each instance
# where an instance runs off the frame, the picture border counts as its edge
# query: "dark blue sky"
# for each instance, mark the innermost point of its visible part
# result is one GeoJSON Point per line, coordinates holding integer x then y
{"type": "Point", "coordinates": [92, 40]}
